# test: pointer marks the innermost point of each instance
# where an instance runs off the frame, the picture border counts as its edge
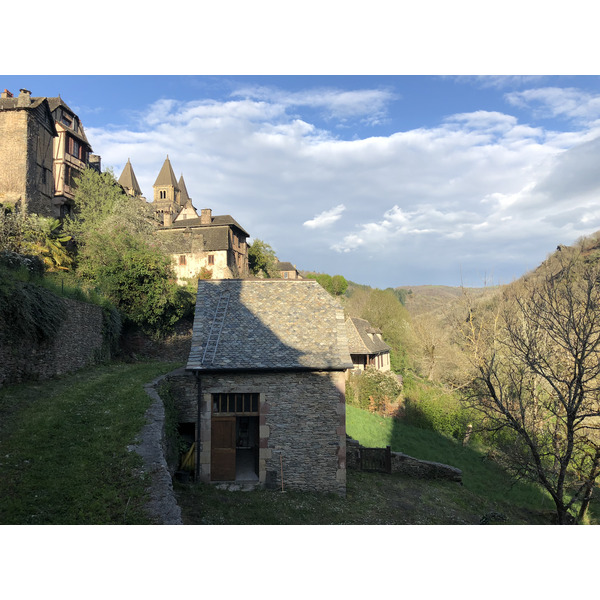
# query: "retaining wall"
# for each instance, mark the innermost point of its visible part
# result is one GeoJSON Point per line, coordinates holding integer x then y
{"type": "Point", "coordinates": [77, 343]}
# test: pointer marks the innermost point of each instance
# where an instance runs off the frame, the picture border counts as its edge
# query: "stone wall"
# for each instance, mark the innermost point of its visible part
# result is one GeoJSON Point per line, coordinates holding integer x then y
{"type": "Point", "coordinates": [406, 465]}
{"type": "Point", "coordinates": [77, 344]}
{"type": "Point", "coordinates": [301, 424]}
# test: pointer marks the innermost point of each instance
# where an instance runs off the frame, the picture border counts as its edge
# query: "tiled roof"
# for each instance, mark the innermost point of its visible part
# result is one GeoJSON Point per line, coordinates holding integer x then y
{"type": "Point", "coordinates": [267, 325]}
{"type": "Point", "coordinates": [286, 266]}
{"type": "Point", "coordinates": [363, 338]}
{"type": "Point", "coordinates": [54, 103]}
{"type": "Point", "coordinates": [218, 220]}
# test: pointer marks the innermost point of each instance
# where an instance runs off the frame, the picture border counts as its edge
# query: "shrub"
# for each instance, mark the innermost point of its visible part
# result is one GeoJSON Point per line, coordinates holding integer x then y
{"type": "Point", "coordinates": [373, 390]}
{"type": "Point", "coordinates": [429, 406]}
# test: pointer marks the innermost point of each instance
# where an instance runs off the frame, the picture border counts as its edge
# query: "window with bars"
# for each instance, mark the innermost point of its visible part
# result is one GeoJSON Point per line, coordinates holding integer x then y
{"type": "Point", "coordinates": [242, 403]}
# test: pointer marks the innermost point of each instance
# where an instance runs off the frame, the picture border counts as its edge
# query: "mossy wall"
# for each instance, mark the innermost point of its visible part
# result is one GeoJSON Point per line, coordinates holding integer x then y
{"type": "Point", "coordinates": [77, 342]}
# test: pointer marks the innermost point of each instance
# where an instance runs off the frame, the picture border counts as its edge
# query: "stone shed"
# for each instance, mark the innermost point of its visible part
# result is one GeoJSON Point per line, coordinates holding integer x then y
{"type": "Point", "coordinates": [268, 360]}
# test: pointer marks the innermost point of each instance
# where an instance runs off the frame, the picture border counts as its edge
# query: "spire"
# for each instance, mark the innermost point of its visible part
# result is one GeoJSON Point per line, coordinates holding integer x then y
{"type": "Point", "coordinates": [129, 181]}
{"type": "Point", "coordinates": [185, 198]}
{"type": "Point", "coordinates": [166, 175]}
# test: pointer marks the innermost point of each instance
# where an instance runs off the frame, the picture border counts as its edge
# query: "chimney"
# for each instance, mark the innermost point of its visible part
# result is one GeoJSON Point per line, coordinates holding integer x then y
{"type": "Point", "coordinates": [206, 216]}
{"type": "Point", "coordinates": [95, 162]}
{"type": "Point", "coordinates": [6, 94]}
{"type": "Point", "coordinates": [24, 98]}
{"type": "Point", "coordinates": [167, 219]}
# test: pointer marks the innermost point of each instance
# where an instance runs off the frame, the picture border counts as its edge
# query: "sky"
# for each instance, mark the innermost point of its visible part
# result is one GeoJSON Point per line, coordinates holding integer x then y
{"type": "Point", "coordinates": [397, 144]}
{"type": "Point", "coordinates": [388, 180]}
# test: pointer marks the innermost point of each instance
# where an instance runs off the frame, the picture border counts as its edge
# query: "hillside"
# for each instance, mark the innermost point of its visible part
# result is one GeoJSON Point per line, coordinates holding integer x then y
{"type": "Point", "coordinates": [421, 299]}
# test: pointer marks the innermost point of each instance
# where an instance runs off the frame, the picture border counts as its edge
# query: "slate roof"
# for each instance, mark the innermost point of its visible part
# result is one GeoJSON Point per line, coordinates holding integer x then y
{"type": "Point", "coordinates": [218, 220]}
{"type": "Point", "coordinates": [359, 340]}
{"type": "Point", "coordinates": [166, 175]}
{"type": "Point", "coordinates": [286, 266]}
{"type": "Point", "coordinates": [268, 325]}
{"type": "Point", "coordinates": [57, 101]}
{"type": "Point", "coordinates": [129, 180]}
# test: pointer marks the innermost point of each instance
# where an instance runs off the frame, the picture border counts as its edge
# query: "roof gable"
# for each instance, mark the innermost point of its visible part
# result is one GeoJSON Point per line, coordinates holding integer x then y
{"type": "Point", "coordinates": [267, 325]}
{"type": "Point", "coordinates": [363, 338]}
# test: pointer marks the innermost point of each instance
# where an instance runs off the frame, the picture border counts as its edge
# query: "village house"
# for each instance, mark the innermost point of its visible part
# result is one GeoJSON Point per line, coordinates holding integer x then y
{"type": "Point", "coordinates": [366, 345]}
{"type": "Point", "coordinates": [288, 271]}
{"type": "Point", "coordinates": [266, 401]}
{"type": "Point", "coordinates": [200, 245]}
{"type": "Point", "coordinates": [44, 147]}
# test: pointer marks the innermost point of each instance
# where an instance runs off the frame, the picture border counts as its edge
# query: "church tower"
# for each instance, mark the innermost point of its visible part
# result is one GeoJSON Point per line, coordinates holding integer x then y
{"type": "Point", "coordinates": [129, 182]}
{"type": "Point", "coordinates": [188, 211]}
{"type": "Point", "coordinates": [167, 195]}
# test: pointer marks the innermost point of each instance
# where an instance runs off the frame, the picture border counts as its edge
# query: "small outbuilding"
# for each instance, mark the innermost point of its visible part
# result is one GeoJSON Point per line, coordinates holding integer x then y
{"type": "Point", "coordinates": [269, 358]}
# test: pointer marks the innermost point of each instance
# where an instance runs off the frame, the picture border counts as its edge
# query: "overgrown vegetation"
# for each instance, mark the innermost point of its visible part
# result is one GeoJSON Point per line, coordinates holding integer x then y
{"type": "Point", "coordinates": [262, 261]}
{"type": "Point", "coordinates": [63, 447]}
{"type": "Point", "coordinates": [536, 376]}
{"type": "Point", "coordinates": [375, 391]}
{"type": "Point", "coordinates": [336, 285]}
{"type": "Point", "coordinates": [119, 256]}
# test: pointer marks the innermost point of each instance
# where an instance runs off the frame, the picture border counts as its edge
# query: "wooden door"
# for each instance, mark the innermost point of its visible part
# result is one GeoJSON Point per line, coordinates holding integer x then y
{"type": "Point", "coordinates": [222, 456]}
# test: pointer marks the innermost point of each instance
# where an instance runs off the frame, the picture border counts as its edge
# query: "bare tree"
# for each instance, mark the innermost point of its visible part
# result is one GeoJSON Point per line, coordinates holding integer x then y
{"type": "Point", "coordinates": [537, 377]}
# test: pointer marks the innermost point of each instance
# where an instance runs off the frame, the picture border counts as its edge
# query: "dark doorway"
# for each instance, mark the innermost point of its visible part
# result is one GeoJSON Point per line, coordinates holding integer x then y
{"type": "Point", "coordinates": [246, 450]}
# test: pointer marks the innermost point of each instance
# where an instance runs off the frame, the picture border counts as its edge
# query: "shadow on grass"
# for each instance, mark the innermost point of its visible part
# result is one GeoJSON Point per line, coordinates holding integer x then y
{"type": "Point", "coordinates": [481, 475]}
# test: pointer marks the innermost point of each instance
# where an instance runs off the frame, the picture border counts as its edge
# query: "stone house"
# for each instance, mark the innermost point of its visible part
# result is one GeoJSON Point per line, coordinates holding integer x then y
{"type": "Point", "coordinates": [27, 131]}
{"type": "Point", "coordinates": [216, 244]}
{"type": "Point", "coordinates": [266, 385]}
{"type": "Point", "coordinates": [43, 148]}
{"type": "Point", "coordinates": [366, 345]}
{"type": "Point", "coordinates": [288, 271]}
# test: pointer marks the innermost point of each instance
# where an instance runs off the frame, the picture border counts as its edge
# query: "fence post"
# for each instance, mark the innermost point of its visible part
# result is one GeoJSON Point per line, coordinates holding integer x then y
{"type": "Point", "coordinates": [388, 459]}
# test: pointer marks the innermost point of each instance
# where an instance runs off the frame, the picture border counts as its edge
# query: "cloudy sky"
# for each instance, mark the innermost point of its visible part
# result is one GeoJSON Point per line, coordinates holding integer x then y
{"type": "Point", "coordinates": [388, 180]}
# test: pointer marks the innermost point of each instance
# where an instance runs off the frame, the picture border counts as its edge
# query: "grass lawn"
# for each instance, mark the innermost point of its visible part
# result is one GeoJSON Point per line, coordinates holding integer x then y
{"type": "Point", "coordinates": [63, 447]}
{"type": "Point", "coordinates": [376, 498]}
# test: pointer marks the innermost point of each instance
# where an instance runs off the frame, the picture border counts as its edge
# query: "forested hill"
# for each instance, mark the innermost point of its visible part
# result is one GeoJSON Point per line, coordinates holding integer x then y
{"type": "Point", "coordinates": [421, 299]}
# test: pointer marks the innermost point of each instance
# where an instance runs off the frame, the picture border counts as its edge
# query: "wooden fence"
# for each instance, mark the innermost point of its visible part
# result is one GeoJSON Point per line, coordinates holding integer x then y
{"type": "Point", "coordinates": [376, 459]}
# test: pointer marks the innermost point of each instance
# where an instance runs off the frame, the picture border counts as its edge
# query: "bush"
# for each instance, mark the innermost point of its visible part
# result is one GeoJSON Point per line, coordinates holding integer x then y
{"type": "Point", "coordinates": [373, 390]}
{"type": "Point", "coordinates": [428, 406]}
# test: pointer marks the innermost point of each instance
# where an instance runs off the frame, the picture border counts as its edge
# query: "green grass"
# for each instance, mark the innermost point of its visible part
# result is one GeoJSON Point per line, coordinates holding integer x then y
{"type": "Point", "coordinates": [63, 447]}
{"type": "Point", "coordinates": [371, 499]}
{"type": "Point", "coordinates": [480, 474]}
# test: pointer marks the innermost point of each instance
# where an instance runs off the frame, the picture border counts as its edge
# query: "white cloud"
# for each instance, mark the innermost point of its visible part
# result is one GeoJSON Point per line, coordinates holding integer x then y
{"type": "Point", "coordinates": [570, 103]}
{"type": "Point", "coordinates": [368, 104]}
{"type": "Point", "coordinates": [326, 218]}
{"type": "Point", "coordinates": [478, 191]}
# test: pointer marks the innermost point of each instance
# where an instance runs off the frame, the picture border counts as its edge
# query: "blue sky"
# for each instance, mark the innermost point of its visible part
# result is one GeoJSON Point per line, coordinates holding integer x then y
{"type": "Point", "coordinates": [388, 180]}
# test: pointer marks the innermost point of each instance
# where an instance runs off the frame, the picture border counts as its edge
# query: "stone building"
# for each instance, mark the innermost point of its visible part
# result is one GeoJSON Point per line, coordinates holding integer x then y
{"type": "Point", "coordinates": [44, 147]}
{"type": "Point", "coordinates": [200, 245]}
{"type": "Point", "coordinates": [265, 387]}
{"type": "Point", "coordinates": [27, 131]}
{"type": "Point", "coordinates": [366, 345]}
{"type": "Point", "coordinates": [288, 271]}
